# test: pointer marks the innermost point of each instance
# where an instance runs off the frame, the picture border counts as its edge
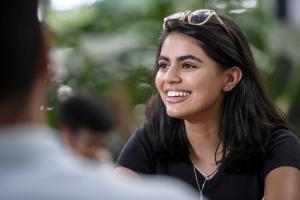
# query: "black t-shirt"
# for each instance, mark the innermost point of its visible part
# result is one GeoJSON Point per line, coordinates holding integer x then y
{"type": "Point", "coordinates": [283, 150]}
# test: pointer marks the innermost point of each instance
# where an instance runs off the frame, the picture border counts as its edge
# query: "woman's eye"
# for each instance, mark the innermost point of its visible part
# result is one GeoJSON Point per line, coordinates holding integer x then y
{"type": "Point", "coordinates": [188, 66]}
{"type": "Point", "coordinates": [163, 66]}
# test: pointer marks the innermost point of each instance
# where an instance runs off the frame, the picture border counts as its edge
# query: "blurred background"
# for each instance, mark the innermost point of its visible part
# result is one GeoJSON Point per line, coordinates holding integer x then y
{"type": "Point", "coordinates": [108, 47]}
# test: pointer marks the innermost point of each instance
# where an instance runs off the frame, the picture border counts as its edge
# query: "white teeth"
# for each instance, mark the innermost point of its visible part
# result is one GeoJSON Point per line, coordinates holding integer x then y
{"type": "Point", "coordinates": [177, 94]}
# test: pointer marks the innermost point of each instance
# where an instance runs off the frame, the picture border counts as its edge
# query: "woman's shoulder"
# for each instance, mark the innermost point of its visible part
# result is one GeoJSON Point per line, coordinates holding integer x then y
{"type": "Point", "coordinates": [283, 149]}
{"type": "Point", "coordinates": [281, 136]}
{"type": "Point", "coordinates": [143, 137]}
{"type": "Point", "coordinates": [143, 133]}
{"type": "Point", "coordinates": [137, 152]}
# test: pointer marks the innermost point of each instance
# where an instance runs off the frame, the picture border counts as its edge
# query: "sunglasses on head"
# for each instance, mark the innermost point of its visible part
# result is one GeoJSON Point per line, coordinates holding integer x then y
{"type": "Point", "coordinates": [197, 17]}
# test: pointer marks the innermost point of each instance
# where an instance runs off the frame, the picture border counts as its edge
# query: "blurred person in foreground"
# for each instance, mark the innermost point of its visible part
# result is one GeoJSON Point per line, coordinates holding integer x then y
{"type": "Point", "coordinates": [210, 121]}
{"type": "Point", "coordinates": [33, 164]}
{"type": "Point", "coordinates": [85, 122]}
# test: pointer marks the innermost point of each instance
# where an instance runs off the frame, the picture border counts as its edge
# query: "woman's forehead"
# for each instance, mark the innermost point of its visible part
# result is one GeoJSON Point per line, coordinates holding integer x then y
{"type": "Point", "coordinates": [178, 44]}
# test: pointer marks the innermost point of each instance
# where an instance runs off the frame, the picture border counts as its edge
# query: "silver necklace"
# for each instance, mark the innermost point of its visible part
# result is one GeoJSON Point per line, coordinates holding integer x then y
{"type": "Point", "coordinates": [206, 176]}
{"type": "Point", "coordinates": [202, 187]}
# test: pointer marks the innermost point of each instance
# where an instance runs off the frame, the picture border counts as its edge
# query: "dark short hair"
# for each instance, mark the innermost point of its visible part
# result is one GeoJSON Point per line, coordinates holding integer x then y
{"type": "Point", "coordinates": [248, 113]}
{"type": "Point", "coordinates": [84, 110]}
{"type": "Point", "coordinates": [20, 44]}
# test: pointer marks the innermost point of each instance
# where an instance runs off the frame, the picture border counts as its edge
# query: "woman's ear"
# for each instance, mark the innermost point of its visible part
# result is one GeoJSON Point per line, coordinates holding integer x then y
{"type": "Point", "coordinates": [233, 76]}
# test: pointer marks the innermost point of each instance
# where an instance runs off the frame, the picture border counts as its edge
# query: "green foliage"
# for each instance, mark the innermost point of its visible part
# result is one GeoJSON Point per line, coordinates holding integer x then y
{"type": "Point", "coordinates": [114, 41]}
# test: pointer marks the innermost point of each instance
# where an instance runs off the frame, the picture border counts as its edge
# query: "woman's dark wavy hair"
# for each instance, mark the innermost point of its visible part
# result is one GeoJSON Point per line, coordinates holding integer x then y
{"type": "Point", "coordinates": [248, 116]}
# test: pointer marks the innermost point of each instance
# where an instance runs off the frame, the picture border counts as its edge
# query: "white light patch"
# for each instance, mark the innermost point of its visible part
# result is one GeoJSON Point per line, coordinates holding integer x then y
{"type": "Point", "coordinates": [70, 4]}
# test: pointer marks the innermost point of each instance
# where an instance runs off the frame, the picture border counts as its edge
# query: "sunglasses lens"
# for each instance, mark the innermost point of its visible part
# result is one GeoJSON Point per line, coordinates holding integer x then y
{"type": "Point", "coordinates": [199, 17]}
{"type": "Point", "coordinates": [171, 23]}
{"type": "Point", "coordinates": [173, 19]}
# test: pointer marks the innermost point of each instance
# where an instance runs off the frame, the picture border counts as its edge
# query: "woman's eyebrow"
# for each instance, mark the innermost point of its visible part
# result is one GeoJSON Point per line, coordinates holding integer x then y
{"type": "Point", "coordinates": [182, 58]}
{"type": "Point", "coordinates": [162, 57]}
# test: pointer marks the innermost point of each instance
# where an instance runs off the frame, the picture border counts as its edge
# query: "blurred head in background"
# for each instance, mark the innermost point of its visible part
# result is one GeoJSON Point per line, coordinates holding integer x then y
{"type": "Point", "coordinates": [85, 122]}
{"type": "Point", "coordinates": [24, 73]}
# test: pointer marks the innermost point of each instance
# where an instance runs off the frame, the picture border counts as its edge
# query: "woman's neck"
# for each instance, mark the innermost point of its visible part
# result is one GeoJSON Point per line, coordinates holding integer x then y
{"type": "Point", "coordinates": [204, 140]}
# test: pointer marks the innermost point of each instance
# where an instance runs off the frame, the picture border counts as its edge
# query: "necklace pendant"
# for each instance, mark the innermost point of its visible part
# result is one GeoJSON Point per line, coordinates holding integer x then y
{"type": "Point", "coordinates": [201, 197]}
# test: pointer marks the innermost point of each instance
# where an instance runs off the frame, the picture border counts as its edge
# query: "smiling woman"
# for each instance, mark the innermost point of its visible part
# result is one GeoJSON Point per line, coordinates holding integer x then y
{"type": "Point", "coordinates": [184, 68]}
{"type": "Point", "coordinates": [210, 122]}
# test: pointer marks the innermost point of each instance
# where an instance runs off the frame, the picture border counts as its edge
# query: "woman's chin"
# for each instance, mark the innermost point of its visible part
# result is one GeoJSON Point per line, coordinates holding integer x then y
{"type": "Point", "coordinates": [175, 114]}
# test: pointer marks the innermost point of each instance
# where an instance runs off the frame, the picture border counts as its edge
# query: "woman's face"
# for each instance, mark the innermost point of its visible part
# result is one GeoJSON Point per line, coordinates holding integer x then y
{"type": "Point", "coordinates": [189, 82]}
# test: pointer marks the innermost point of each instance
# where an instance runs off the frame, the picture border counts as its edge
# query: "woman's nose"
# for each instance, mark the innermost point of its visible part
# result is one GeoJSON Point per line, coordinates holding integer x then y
{"type": "Point", "coordinates": [172, 75]}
